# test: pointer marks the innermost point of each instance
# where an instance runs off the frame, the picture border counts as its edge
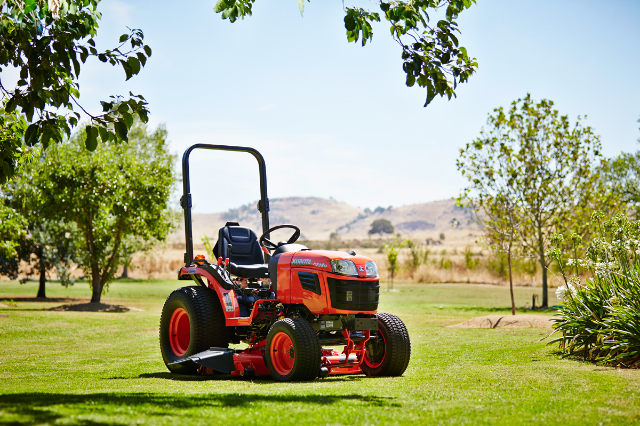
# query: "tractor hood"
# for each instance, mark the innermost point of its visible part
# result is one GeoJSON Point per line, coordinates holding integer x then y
{"type": "Point", "coordinates": [321, 260]}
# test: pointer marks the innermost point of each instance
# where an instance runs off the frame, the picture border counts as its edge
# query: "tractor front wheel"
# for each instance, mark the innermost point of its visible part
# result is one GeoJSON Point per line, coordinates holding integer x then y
{"type": "Point", "coordinates": [388, 351]}
{"type": "Point", "coordinates": [192, 321]}
{"type": "Point", "coordinates": [293, 350]}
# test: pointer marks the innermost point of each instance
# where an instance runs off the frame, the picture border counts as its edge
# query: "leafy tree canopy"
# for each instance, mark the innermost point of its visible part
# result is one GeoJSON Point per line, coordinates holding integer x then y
{"type": "Point", "coordinates": [381, 226]}
{"type": "Point", "coordinates": [431, 53]}
{"type": "Point", "coordinates": [48, 42]}
{"type": "Point", "coordinates": [117, 196]}
{"type": "Point", "coordinates": [622, 175]}
{"type": "Point", "coordinates": [534, 168]}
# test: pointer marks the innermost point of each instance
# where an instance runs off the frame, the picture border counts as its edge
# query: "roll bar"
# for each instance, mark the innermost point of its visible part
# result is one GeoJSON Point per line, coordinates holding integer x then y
{"type": "Point", "coordinates": [185, 200]}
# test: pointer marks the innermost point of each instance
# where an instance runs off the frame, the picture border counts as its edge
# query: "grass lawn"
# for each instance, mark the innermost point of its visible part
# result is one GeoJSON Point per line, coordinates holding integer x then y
{"type": "Point", "coordinates": [90, 368]}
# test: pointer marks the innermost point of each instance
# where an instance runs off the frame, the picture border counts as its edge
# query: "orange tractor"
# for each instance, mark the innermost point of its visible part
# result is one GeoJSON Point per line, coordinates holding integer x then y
{"type": "Point", "coordinates": [288, 304]}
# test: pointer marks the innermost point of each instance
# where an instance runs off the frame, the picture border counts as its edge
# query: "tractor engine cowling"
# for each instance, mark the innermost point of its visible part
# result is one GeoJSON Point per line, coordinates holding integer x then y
{"type": "Point", "coordinates": [308, 278]}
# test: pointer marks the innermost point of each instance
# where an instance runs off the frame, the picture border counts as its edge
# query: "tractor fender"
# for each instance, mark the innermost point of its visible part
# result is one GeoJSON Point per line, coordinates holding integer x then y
{"type": "Point", "coordinates": [224, 290]}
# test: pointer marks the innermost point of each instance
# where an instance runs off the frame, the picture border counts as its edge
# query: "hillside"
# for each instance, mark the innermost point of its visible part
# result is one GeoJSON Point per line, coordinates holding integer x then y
{"type": "Point", "coordinates": [318, 218]}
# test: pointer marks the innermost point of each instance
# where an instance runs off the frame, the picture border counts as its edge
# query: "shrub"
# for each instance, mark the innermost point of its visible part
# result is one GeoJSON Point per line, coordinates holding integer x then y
{"type": "Point", "coordinates": [469, 261]}
{"type": "Point", "coordinates": [418, 255]}
{"type": "Point", "coordinates": [600, 319]}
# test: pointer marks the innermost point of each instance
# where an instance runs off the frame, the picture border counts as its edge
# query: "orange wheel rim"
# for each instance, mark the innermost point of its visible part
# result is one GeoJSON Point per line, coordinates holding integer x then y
{"type": "Point", "coordinates": [375, 360]}
{"type": "Point", "coordinates": [282, 353]}
{"type": "Point", "coordinates": [179, 332]}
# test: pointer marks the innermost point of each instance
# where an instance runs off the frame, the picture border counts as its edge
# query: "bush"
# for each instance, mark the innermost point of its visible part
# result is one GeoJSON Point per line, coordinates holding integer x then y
{"type": "Point", "coordinates": [469, 261]}
{"type": "Point", "coordinates": [600, 318]}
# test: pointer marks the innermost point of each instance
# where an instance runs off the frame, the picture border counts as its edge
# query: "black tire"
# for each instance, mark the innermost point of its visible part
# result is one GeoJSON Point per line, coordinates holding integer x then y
{"type": "Point", "coordinates": [306, 347]}
{"type": "Point", "coordinates": [206, 321]}
{"type": "Point", "coordinates": [389, 354]}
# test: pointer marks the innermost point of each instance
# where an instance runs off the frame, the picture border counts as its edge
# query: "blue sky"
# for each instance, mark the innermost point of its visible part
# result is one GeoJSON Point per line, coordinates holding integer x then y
{"type": "Point", "coordinates": [334, 119]}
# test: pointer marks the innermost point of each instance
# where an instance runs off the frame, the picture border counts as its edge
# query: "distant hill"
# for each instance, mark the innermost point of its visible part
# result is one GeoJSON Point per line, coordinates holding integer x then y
{"type": "Point", "coordinates": [317, 218]}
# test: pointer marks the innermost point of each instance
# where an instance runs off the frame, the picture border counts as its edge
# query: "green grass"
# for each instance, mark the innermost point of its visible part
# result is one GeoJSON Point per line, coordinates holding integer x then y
{"type": "Point", "coordinates": [85, 368]}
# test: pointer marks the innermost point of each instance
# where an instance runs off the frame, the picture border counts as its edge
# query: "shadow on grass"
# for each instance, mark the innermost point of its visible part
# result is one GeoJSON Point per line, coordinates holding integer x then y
{"type": "Point", "coordinates": [41, 299]}
{"type": "Point", "coordinates": [215, 377]}
{"type": "Point", "coordinates": [39, 408]}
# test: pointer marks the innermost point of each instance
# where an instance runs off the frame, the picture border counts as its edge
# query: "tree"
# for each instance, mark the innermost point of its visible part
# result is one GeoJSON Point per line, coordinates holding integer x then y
{"type": "Point", "coordinates": [548, 165]}
{"type": "Point", "coordinates": [46, 245]}
{"type": "Point", "coordinates": [392, 249]}
{"type": "Point", "coordinates": [48, 42]}
{"type": "Point", "coordinates": [501, 229]}
{"type": "Point", "coordinates": [117, 196]}
{"type": "Point", "coordinates": [381, 226]}
{"type": "Point", "coordinates": [431, 54]}
{"type": "Point", "coordinates": [622, 175]}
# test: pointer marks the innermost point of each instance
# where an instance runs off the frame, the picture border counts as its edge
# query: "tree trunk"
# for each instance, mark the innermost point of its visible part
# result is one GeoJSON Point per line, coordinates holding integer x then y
{"type": "Point", "coordinates": [543, 263]}
{"type": "Point", "coordinates": [43, 279]}
{"type": "Point", "coordinates": [43, 276]}
{"type": "Point", "coordinates": [125, 272]}
{"type": "Point", "coordinates": [513, 303]}
{"type": "Point", "coordinates": [544, 284]}
{"type": "Point", "coordinates": [96, 287]}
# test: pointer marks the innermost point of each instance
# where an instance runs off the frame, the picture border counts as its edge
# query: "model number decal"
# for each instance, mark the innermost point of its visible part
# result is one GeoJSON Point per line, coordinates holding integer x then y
{"type": "Point", "coordinates": [307, 262]}
{"type": "Point", "coordinates": [228, 303]}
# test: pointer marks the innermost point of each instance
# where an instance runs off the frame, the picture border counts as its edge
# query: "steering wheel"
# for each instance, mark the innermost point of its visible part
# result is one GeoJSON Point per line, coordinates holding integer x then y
{"type": "Point", "coordinates": [270, 244]}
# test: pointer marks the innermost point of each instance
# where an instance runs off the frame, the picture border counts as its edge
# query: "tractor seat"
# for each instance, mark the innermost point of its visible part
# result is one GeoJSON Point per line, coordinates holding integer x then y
{"type": "Point", "coordinates": [249, 271]}
{"type": "Point", "coordinates": [246, 259]}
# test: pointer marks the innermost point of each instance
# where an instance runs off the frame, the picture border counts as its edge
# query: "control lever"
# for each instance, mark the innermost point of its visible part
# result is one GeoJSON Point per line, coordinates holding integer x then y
{"type": "Point", "coordinates": [226, 261]}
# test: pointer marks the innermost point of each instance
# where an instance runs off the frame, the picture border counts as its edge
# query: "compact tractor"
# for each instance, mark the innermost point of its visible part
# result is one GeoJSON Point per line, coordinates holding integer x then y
{"type": "Point", "coordinates": [288, 304]}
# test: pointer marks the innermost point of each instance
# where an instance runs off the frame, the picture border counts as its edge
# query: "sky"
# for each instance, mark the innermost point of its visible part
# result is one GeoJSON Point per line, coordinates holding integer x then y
{"type": "Point", "coordinates": [335, 119]}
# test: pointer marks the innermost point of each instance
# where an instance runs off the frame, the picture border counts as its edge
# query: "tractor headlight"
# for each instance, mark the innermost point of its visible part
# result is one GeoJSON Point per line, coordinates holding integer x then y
{"type": "Point", "coordinates": [344, 267]}
{"type": "Point", "coordinates": [371, 268]}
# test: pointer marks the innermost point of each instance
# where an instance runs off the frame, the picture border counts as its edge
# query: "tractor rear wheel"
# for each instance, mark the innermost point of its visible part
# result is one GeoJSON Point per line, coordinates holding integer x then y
{"type": "Point", "coordinates": [192, 321]}
{"type": "Point", "coordinates": [293, 350]}
{"type": "Point", "coordinates": [388, 352]}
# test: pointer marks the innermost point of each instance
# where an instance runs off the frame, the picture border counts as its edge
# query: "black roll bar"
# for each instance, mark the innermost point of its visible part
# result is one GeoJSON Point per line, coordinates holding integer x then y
{"type": "Point", "coordinates": [185, 200]}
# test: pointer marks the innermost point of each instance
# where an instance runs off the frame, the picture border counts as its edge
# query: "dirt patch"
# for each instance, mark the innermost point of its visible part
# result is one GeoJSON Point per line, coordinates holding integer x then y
{"type": "Point", "coordinates": [94, 307]}
{"type": "Point", "coordinates": [4, 316]}
{"type": "Point", "coordinates": [507, 321]}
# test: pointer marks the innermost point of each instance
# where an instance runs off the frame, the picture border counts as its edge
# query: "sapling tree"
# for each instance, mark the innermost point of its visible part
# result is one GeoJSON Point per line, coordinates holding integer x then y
{"type": "Point", "coordinates": [117, 195]}
{"type": "Point", "coordinates": [432, 56]}
{"type": "Point", "coordinates": [545, 167]}
{"type": "Point", "coordinates": [392, 249]}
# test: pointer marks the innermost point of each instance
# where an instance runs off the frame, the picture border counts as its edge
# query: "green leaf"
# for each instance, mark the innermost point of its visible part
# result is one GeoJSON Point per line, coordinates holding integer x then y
{"type": "Point", "coordinates": [301, 7]}
{"type": "Point", "coordinates": [431, 93]}
{"type": "Point", "coordinates": [104, 134]}
{"type": "Point", "coordinates": [349, 23]}
{"type": "Point", "coordinates": [219, 6]}
{"type": "Point", "coordinates": [92, 138]}
{"type": "Point", "coordinates": [31, 135]}
{"type": "Point", "coordinates": [142, 58]}
{"type": "Point", "coordinates": [134, 63]}
{"type": "Point", "coordinates": [121, 130]}
{"type": "Point", "coordinates": [123, 38]}
{"type": "Point", "coordinates": [147, 50]}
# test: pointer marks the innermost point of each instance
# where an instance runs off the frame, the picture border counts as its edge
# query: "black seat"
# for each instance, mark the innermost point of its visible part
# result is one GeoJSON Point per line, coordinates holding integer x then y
{"type": "Point", "coordinates": [246, 259]}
